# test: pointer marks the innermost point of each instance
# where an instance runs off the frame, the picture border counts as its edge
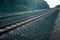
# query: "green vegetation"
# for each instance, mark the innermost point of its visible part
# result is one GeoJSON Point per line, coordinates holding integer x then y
{"type": "Point", "coordinates": [58, 6]}
{"type": "Point", "coordinates": [8, 6]}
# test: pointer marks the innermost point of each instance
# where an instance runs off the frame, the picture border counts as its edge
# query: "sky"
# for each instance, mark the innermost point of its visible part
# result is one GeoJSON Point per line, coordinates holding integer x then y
{"type": "Point", "coordinates": [53, 3]}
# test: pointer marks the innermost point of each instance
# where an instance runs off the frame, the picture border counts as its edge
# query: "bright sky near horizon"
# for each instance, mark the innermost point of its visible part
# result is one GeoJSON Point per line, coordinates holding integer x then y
{"type": "Point", "coordinates": [53, 3]}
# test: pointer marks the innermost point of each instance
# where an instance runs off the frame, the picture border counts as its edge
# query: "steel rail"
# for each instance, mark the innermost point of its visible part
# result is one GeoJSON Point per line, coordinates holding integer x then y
{"type": "Point", "coordinates": [3, 26]}
{"type": "Point", "coordinates": [21, 13]}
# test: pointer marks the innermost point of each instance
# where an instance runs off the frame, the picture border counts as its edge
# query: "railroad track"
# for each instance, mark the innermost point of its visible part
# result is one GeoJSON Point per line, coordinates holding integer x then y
{"type": "Point", "coordinates": [21, 13]}
{"type": "Point", "coordinates": [9, 27]}
{"type": "Point", "coordinates": [13, 18]}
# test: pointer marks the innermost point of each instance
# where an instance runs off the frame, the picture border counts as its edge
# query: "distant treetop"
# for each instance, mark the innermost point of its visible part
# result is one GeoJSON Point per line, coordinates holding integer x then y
{"type": "Point", "coordinates": [58, 6]}
{"type": "Point", "coordinates": [22, 5]}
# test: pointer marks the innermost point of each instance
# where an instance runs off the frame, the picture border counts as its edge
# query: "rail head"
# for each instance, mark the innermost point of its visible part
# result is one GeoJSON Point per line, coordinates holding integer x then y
{"type": "Point", "coordinates": [20, 14]}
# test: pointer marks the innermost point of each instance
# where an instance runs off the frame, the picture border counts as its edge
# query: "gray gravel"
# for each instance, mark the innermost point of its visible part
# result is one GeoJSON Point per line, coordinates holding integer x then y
{"type": "Point", "coordinates": [56, 35]}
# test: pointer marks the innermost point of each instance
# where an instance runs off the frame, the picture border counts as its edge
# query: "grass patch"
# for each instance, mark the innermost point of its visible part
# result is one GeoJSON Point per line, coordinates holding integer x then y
{"type": "Point", "coordinates": [59, 13]}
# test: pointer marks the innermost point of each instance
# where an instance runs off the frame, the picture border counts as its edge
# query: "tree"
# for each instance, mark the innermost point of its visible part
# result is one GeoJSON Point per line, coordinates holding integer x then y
{"type": "Point", "coordinates": [22, 5]}
{"type": "Point", "coordinates": [58, 6]}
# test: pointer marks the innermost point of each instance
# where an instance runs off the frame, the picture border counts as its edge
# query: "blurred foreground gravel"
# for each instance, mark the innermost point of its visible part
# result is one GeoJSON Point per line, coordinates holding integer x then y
{"type": "Point", "coordinates": [56, 34]}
